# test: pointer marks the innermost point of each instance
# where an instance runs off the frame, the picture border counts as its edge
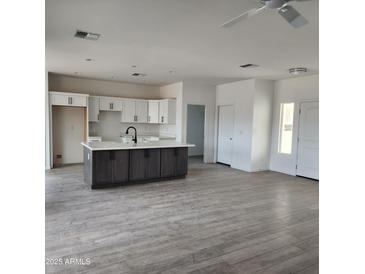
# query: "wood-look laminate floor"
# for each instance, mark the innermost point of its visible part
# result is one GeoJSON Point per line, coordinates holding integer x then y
{"type": "Point", "coordinates": [217, 220]}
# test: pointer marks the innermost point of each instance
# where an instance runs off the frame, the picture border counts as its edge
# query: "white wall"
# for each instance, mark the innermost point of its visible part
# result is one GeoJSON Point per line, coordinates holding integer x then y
{"type": "Point", "coordinates": [68, 132]}
{"type": "Point", "coordinates": [199, 93]}
{"type": "Point", "coordinates": [173, 91]}
{"type": "Point", "coordinates": [195, 129]}
{"type": "Point", "coordinates": [47, 126]}
{"type": "Point", "coordinates": [262, 119]}
{"type": "Point", "coordinates": [252, 102]}
{"type": "Point", "coordinates": [241, 95]}
{"type": "Point", "coordinates": [290, 90]}
{"type": "Point", "coordinates": [99, 87]}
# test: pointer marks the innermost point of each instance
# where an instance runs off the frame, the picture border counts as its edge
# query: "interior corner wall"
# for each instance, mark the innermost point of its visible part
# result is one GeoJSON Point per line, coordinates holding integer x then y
{"type": "Point", "coordinates": [47, 126]}
{"type": "Point", "coordinates": [262, 125]}
{"type": "Point", "coordinates": [174, 91]}
{"type": "Point", "coordinates": [294, 90]}
{"type": "Point", "coordinates": [241, 96]}
{"type": "Point", "coordinates": [200, 93]}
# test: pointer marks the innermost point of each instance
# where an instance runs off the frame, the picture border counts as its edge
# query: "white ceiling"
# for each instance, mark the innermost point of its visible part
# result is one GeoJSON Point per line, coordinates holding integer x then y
{"type": "Point", "coordinates": [179, 35]}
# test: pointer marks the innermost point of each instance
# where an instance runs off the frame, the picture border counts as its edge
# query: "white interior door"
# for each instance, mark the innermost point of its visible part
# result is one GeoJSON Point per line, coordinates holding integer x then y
{"type": "Point", "coordinates": [225, 134]}
{"type": "Point", "coordinates": [308, 146]}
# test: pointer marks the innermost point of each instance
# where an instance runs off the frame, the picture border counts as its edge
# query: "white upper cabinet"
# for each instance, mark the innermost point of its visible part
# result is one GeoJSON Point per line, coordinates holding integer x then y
{"type": "Point", "coordinates": [68, 99]}
{"type": "Point", "coordinates": [94, 106]}
{"type": "Point", "coordinates": [110, 104]}
{"type": "Point", "coordinates": [135, 111]}
{"type": "Point", "coordinates": [129, 112]}
{"type": "Point", "coordinates": [167, 111]}
{"type": "Point", "coordinates": [153, 106]}
{"type": "Point", "coordinates": [141, 111]}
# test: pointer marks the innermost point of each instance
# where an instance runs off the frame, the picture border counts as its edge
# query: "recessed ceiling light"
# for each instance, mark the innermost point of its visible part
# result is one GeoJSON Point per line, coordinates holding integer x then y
{"type": "Point", "coordinates": [249, 66]}
{"type": "Point", "coordinates": [89, 59]}
{"type": "Point", "coordinates": [134, 66]}
{"type": "Point", "coordinates": [297, 70]}
{"type": "Point", "coordinates": [171, 71]}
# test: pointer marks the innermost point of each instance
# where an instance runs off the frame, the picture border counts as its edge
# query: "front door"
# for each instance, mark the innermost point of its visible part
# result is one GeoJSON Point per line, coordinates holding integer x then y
{"type": "Point", "coordinates": [308, 146]}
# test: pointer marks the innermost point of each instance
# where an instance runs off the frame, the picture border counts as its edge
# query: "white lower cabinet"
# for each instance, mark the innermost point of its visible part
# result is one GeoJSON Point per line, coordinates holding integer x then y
{"type": "Point", "coordinates": [94, 107]}
{"type": "Point", "coordinates": [110, 104]}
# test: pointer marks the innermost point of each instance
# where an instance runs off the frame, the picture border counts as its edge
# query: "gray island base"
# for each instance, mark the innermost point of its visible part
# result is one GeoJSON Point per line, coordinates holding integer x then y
{"type": "Point", "coordinates": [112, 164]}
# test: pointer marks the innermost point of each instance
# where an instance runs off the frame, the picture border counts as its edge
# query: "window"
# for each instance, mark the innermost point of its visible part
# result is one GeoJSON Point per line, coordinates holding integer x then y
{"type": "Point", "coordinates": [286, 128]}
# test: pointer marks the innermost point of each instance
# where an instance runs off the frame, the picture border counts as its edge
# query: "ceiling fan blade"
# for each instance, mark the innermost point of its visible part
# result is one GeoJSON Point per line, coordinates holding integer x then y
{"type": "Point", "coordinates": [242, 17]}
{"type": "Point", "coordinates": [292, 16]}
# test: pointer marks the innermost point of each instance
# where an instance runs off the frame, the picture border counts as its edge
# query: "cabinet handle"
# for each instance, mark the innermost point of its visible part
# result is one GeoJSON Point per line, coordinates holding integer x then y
{"type": "Point", "coordinates": [149, 119]}
{"type": "Point", "coordinates": [136, 118]}
{"type": "Point", "coordinates": [161, 119]}
{"type": "Point", "coordinates": [98, 117]}
{"type": "Point", "coordinates": [111, 105]}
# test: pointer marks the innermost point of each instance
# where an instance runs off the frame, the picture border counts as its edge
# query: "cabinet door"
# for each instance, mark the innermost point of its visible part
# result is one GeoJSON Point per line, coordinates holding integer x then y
{"type": "Point", "coordinates": [141, 111]}
{"type": "Point", "coordinates": [129, 112]}
{"type": "Point", "coordinates": [93, 109]}
{"type": "Point", "coordinates": [163, 112]}
{"type": "Point", "coordinates": [174, 162]}
{"type": "Point", "coordinates": [168, 162]}
{"type": "Point", "coordinates": [102, 168]}
{"type": "Point", "coordinates": [144, 164]}
{"type": "Point", "coordinates": [181, 155]}
{"type": "Point", "coordinates": [60, 100]}
{"type": "Point", "coordinates": [78, 101]}
{"type": "Point", "coordinates": [120, 166]}
{"type": "Point", "coordinates": [153, 114]}
{"type": "Point", "coordinates": [110, 104]}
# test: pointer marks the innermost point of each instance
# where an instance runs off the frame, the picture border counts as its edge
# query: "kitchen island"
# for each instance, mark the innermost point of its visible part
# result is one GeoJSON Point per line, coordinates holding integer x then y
{"type": "Point", "coordinates": [111, 164]}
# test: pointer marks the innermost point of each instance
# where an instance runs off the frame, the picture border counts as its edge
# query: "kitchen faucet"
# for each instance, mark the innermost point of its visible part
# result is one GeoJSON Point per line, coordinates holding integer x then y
{"type": "Point", "coordinates": [135, 134]}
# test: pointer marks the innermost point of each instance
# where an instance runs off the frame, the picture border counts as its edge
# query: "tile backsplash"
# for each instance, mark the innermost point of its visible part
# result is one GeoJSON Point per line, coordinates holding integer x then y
{"type": "Point", "coordinates": [110, 127]}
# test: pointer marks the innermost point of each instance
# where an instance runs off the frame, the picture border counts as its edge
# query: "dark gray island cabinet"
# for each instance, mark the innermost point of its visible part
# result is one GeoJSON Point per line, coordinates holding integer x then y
{"type": "Point", "coordinates": [110, 165]}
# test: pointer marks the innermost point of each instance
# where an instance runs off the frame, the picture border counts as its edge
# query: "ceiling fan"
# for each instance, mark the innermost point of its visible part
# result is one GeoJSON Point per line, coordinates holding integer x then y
{"type": "Point", "coordinates": [291, 15]}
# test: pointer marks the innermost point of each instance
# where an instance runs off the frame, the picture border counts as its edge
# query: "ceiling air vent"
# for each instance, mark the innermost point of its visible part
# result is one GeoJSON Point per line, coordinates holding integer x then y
{"type": "Point", "coordinates": [249, 66]}
{"type": "Point", "coordinates": [137, 74]}
{"type": "Point", "coordinates": [87, 35]}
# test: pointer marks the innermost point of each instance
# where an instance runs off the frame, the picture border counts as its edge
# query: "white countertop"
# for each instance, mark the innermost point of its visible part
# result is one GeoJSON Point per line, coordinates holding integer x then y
{"type": "Point", "coordinates": [141, 145]}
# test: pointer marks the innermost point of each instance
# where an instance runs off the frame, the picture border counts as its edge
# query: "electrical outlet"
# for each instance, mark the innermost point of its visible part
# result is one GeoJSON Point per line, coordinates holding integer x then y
{"type": "Point", "coordinates": [59, 156]}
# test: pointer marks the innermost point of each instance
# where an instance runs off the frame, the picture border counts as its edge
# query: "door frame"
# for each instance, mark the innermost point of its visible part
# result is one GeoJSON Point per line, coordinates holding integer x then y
{"type": "Point", "coordinates": [205, 126]}
{"type": "Point", "coordinates": [217, 130]}
{"type": "Point", "coordinates": [298, 132]}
